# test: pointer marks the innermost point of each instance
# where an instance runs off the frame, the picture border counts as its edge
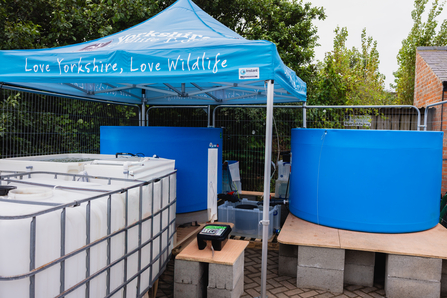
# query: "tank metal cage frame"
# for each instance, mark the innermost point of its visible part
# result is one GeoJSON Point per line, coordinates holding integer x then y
{"type": "Point", "coordinates": [163, 256]}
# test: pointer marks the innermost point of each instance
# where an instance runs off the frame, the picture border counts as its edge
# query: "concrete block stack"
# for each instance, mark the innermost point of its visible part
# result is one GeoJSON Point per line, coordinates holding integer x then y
{"type": "Point", "coordinates": [288, 260]}
{"type": "Point", "coordinates": [444, 278]}
{"type": "Point", "coordinates": [190, 279]}
{"type": "Point", "coordinates": [359, 268]}
{"type": "Point", "coordinates": [321, 268]}
{"type": "Point", "coordinates": [226, 280]}
{"type": "Point", "coordinates": [412, 277]}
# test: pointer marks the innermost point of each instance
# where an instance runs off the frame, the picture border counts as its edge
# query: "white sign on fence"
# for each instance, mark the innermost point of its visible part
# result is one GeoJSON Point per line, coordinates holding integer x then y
{"type": "Point", "coordinates": [358, 120]}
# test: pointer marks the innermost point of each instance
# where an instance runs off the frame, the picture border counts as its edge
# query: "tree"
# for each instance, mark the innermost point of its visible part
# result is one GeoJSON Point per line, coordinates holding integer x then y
{"type": "Point", "coordinates": [27, 24]}
{"type": "Point", "coordinates": [351, 76]}
{"type": "Point", "coordinates": [288, 24]}
{"type": "Point", "coordinates": [421, 34]}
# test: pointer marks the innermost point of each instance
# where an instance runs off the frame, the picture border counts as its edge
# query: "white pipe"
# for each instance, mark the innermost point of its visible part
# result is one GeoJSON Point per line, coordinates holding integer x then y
{"type": "Point", "coordinates": [266, 208]}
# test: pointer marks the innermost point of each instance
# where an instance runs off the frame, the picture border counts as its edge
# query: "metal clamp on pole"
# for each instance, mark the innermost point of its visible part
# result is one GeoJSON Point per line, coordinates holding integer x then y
{"type": "Point", "coordinates": [264, 222]}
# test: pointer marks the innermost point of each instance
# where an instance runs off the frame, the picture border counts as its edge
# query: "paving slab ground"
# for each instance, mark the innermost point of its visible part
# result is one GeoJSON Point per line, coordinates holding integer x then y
{"type": "Point", "coordinates": [277, 286]}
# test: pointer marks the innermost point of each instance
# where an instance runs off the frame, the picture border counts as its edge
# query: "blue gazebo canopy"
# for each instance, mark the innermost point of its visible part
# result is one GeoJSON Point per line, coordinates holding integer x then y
{"type": "Point", "coordinates": [182, 56]}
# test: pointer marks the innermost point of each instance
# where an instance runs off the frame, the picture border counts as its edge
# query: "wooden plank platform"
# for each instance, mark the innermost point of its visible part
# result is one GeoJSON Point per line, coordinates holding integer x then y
{"type": "Point", "coordinates": [186, 233]}
{"type": "Point", "coordinates": [257, 242]}
{"type": "Point", "coordinates": [227, 256]}
{"type": "Point", "coordinates": [431, 243]}
{"type": "Point", "coordinates": [254, 193]}
{"type": "Point", "coordinates": [296, 231]}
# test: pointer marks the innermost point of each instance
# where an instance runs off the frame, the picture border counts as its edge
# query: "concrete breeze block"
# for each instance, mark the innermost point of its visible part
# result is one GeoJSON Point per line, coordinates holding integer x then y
{"type": "Point", "coordinates": [444, 278]}
{"type": "Point", "coordinates": [188, 272]}
{"type": "Point", "coordinates": [287, 266]}
{"type": "Point", "coordinates": [287, 250]}
{"type": "Point", "coordinates": [357, 257]}
{"type": "Point", "coordinates": [411, 288]}
{"type": "Point", "coordinates": [418, 268]}
{"type": "Point", "coordinates": [320, 279]}
{"type": "Point", "coordinates": [225, 293]}
{"type": "Point", "coordinates": [321, 257]}
{"type": "Point", "coordinates": [182, 290]}
{"type": "Point", "coordinates": [359, 275]}
{"type": "Point", "coordinates": [226, 276]}
{"type": "Point", "coordinates": [444, 285]}
{"type": "Point", "coordinates": [359, 268]}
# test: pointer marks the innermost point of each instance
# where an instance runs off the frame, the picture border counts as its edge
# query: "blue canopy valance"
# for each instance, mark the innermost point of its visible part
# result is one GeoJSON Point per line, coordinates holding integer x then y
{"type": "Point", "coordinates": [180, 56]}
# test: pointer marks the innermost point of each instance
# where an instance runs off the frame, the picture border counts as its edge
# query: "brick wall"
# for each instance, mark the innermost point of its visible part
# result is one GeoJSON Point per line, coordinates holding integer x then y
{"type": "Point", "coordinates": [428, 90]}
{"type": "Point", "coordinates": [427, 86]}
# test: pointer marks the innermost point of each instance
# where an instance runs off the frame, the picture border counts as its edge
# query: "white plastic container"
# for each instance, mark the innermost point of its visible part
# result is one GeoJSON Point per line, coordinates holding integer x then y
{"type": "Point", "coordinates": [246, 221]}
{"type": "Point", "coordinates": [283, 170]}
{"type": "Point", "coordinates": [102, 165]}
{"type": "Point", "coordinates": [16, 234]}
{"type": "Point", "coordinates": [282, 183]}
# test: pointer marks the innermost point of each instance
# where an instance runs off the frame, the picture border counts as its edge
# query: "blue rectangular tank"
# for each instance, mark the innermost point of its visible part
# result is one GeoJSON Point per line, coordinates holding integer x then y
{"type": "Point", "coordinates": [367, 180]}
{"type": "Point", "coordinates": [188, 146]}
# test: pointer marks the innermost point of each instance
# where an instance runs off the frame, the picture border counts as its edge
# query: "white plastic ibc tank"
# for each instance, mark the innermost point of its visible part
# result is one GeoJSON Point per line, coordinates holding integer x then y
{"type": "Point", "coordinates": [144, 168]}
{"type": "Point", "coordinates": [103, 165]}
{"type": "Point", "coordinates": [61, 163]}
{"type": "Point", "coordinates": [15, 235]}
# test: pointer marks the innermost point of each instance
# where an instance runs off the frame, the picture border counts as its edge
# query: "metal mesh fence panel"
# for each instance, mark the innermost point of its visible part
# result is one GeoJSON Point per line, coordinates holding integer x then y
{"type": "Point", "coordinates": [437, 121]}
{"type": "Point", "coordinates": [363, 118]}
{"type": "Point", "coordinates": [181, 117]}
{"type": "Point", "coordinates": [33, 124]}
{"type": "Point", "coordinates": [244, 131]}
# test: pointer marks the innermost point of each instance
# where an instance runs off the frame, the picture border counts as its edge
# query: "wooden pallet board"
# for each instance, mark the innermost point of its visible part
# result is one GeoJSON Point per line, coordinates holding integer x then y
{"type": "Point", "coordinates": [296, 231]}
{"type": "Point", "coordinates": [254, 193]}
{"type": "Point", "coordinates": [430, 243]}
{"type": "Point", "coordinates": [185, 234]}
{"type": "Point", "coordinates": [227, 256]}
{"type": "Point", "coordinates": [257, 242]}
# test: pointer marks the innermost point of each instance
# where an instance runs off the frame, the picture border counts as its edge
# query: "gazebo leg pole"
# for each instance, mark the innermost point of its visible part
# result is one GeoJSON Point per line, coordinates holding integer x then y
{"type": "Point", "coordinates": [143, 108]}
{"type": "Point", "coordinates": [267, 172]}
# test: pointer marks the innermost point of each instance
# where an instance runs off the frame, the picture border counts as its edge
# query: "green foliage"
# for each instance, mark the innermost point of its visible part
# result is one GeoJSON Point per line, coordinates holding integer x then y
{"type": "Point", "coordinates": [288, 24]}
{"type": "Point", "coordinates": [421, 34]}
{"type": "Point", "coordinates": [36, 124]}
{"type": "Point", "coordinates": [28, 24]}
{"type": "Point", "coordinates": [7, 118]}
{"type": "Point", "coordinates": [350, 76]}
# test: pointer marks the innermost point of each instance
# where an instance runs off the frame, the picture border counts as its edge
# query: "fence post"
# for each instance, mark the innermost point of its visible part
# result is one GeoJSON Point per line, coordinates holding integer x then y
{"type": "Point", "coordinates": [143, 108]}
{"type": "Point", "coordinates": [304, 116]}
{"type": "Point", "coordinates": [209, 116]}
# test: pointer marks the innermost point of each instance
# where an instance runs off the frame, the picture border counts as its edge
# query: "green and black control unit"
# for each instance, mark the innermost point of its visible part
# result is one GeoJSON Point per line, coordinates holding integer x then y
{"type": "Point", "coordinates": [217, 234]}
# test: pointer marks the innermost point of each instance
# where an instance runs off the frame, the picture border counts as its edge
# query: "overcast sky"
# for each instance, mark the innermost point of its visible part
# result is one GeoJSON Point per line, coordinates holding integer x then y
{"type": "Point", "coordinates": [386, 21]}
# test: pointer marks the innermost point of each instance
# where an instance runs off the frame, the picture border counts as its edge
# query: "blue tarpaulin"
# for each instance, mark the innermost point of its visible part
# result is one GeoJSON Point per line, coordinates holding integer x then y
{"type": "Point", "coordinates": [180, 56]}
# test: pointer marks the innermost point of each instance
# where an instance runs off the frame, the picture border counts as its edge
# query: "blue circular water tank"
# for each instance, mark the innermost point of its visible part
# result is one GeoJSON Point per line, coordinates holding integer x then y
{"type": "Point", "coordinates": [367, 180]}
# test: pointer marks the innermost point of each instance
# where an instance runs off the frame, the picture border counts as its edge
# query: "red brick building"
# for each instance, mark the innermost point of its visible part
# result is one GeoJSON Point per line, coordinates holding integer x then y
{"type": "Point", "coordinates": [431, 87]}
